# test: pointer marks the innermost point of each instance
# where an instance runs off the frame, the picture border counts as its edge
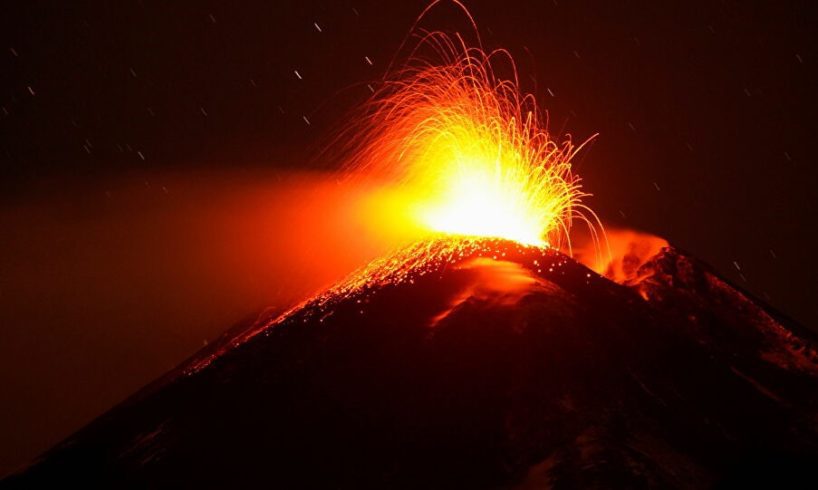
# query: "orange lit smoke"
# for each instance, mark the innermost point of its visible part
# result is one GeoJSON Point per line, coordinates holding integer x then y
{"type": "Point", "coordinates": [463, 150]}
{"type": "Point", "coordinates": [627, 251]}
{"type": "Point", "coordinates": [497, 283]}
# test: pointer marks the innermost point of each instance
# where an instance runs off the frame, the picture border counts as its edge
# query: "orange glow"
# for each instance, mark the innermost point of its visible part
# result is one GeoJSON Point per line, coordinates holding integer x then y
{"type": "Point", "coordinates": [627, 251]}
{"type": "Point", "coordinates": [499, 283]}
{"type": "Point", "coordinates": [468, 152]}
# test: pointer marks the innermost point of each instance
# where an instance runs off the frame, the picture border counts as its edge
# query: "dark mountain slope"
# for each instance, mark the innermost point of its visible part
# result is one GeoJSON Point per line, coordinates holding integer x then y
{"type": "Point", "coordinates": [476, 364]}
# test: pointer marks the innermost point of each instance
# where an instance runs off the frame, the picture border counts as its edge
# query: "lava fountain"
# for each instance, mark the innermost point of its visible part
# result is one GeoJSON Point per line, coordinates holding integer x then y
{"type": "Point", "coordinates": [467, 149]}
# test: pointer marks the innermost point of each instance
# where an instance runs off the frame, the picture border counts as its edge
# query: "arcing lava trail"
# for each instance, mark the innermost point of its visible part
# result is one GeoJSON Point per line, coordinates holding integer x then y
{"type": "Point", "coordinates": [467, 150]}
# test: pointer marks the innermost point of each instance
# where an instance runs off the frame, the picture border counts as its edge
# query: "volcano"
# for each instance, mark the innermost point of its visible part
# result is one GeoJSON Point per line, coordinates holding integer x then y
{"type": "Point", "coordinates": [476, 364]}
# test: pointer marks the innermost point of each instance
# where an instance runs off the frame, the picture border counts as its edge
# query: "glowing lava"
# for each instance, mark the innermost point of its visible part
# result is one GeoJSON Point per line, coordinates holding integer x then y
{"type": "Point", "coordinates": [469, 151]}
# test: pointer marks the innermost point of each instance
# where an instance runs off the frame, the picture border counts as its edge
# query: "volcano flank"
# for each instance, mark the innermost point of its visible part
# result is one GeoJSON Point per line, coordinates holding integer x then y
{"type": "Point", "coordinates": [475, 364]}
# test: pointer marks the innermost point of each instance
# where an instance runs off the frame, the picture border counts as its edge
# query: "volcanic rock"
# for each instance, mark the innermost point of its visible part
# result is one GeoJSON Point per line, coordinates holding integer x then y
{"type": "Point", "coordinates": [476, 364]}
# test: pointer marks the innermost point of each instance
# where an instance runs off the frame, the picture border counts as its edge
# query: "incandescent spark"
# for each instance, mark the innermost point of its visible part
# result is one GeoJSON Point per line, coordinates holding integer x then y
{"type": "Point", "coordinates": [470, 151]}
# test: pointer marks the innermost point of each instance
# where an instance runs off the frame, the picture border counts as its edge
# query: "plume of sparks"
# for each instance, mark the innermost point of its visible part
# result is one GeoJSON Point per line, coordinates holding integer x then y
{"type": "Point", "coordinates": [471, 152]}
{"type": "Point", "coordinates": [472, 160]}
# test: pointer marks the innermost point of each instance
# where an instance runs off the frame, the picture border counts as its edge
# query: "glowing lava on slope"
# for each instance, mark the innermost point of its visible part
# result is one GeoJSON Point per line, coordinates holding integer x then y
{"type": "Point", "coordinates": [467, 149]}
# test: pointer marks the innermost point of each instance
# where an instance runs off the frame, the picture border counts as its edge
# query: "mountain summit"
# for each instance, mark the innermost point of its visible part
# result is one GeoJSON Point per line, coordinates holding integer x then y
{"type": "Point", "coordinates": [476, 364]}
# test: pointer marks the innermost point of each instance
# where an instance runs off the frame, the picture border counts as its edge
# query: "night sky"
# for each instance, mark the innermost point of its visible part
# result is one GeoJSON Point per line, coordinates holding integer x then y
{"type": "Point", "coordinates": [705, 112]}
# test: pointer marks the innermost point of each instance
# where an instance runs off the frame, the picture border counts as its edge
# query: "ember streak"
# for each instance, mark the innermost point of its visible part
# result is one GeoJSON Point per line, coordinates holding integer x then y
{"type": "Point", "coordinates": [467, 150]}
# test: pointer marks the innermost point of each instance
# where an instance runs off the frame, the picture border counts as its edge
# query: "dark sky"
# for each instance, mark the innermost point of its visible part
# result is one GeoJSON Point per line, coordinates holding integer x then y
{"type": "Point", "coordinates": [705, 112]}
